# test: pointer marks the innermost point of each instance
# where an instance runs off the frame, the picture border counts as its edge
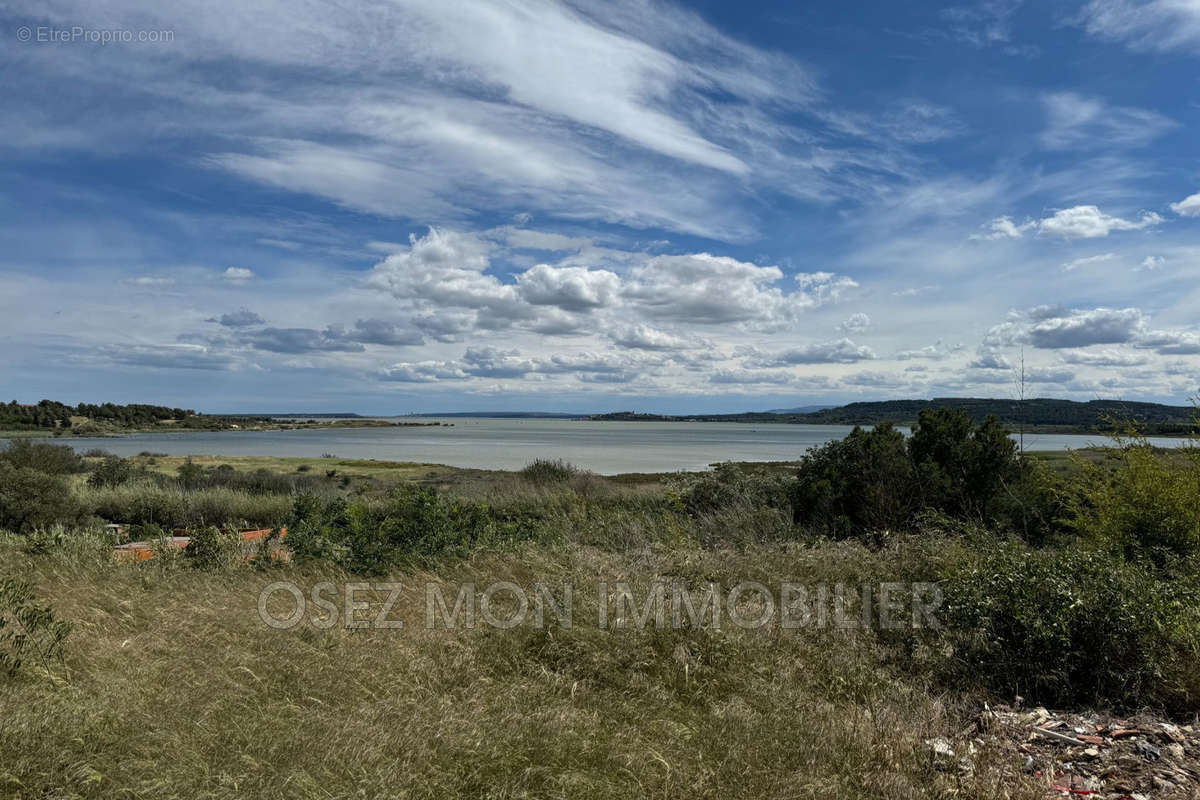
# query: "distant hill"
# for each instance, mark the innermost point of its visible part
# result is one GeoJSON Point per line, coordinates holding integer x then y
{"type": "Point", "coordinates": [799, 410]}
{"type": "Point", "coordinates": [1044, 414]}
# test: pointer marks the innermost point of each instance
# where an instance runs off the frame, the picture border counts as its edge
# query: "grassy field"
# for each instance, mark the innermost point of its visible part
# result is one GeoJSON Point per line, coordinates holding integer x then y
{"type": "Point", "coordinates": [174, 687]}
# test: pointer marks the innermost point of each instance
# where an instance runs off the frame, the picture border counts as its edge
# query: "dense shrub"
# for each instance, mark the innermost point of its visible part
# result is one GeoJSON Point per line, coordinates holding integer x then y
{"type": "Point", "coordinates": [730, 486]}
{"type": "Point", "coordinates": [1141, 503]}
{"type": "Point", "coordinates": [962, 469]}
{"type": "Point", "coordinates": [30, 499]}
{"type": "Point", "coordinates": [211, 547]}
{"type": "Point", "coordinates": [876, 480]}
{"type": "Point", "coordinates": [545, 471]}
{"type": "Point", "coordinates": [52, 459]}
{"type": "Point", "coordinates": [864, 482]}
{"type": "Point", "coordinates": [1072, 625]}
{"type": "Point", "coordinates": [112, 471]}
{"type": "Point", "coordinates": [411, 523]}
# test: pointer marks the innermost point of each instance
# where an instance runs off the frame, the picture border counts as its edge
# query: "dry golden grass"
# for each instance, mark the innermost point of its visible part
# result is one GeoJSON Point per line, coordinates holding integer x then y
{"type": "Point", "coordinates": [174, 688]}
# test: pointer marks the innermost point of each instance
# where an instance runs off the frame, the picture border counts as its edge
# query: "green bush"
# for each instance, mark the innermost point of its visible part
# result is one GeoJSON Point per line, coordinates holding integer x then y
{"type": "Point", "coordinates": [30, 499]}
{"type": "Point", "coordinates": [875, 480]}
{"type": "Point", "coordinates": [1142, 503]}
{"type": "Point", "coordinates": [112, 471]}
{"type": "Point", "coordinates": [864, 482]}
{"type": "Point", "coordinates": [962, 469]}
{"type": "Point", "coordinates": [1072, 626]}
{"type": "Point", "coordinates": [52, 459]}
{"type": "Point", "coordinates": [729, 486]}
{"type": "Point", "coordinates": [210, 547]}
{"type": "Point", "coordinates": [410, 524]}
{"type": "Point", "coordinates": [545, 471]}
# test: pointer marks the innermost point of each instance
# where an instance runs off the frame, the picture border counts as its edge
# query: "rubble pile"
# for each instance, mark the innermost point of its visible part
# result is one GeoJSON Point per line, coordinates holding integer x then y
{"type": "Point", "coordinates": [1083, 755]}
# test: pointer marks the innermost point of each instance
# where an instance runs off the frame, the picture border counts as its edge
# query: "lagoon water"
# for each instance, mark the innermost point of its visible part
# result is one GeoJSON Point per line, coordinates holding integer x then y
{"type": "Point", "coordinates": [603, 447]}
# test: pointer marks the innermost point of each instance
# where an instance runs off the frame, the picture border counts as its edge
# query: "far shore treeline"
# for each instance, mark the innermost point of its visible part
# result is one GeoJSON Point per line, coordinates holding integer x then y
{"type": "Point", "coordinates": [1063, 416]}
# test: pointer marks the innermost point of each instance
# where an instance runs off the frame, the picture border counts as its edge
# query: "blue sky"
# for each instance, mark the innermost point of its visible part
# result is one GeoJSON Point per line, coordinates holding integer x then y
{"type": "Point", "coordinates": [418, 205]}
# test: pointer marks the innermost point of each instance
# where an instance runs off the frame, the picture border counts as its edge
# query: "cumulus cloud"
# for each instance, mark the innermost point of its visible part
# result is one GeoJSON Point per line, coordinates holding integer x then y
{"type": "Point", "coordinates": [643, 337]}
{"type": "Point", "coordinates": [707, 289]}
{"type": "Point", "coordinates": [1003, 228]}
{"type": "Point", "coordinates": [994, 361]}
{"type": "Point", "coordinates": [855, 323]}
{"type": "Point", "coordinates": [152, 281]}
{"type": "Point", "coordinates": [444, 279]}
{"type": "Point", "coordinates": [1176, 343]}
{"type": "Point", "coordinates": [1089, 222]}
{"type": "Point", "coordinates": [237, 275]}
{"type": "Point", "coordinates": [1151, 263]}
{"type": "Point", "coordinates": [1054, 327]}
{"type": "Point", "coordinates": [1078, 222]}
{"type": "Point", "coordinates": [1188, 207]}
{"type": "Point", "coordinates": [492, 362]}
{"type": "Point", "coordinates": [568, 288]}
{"type": "Point", "coordinates": [423, 372]}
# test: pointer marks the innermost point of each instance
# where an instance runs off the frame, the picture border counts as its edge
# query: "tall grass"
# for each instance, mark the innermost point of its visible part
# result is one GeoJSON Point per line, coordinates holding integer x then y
{"type": "Point", "coordinates": [176, 688]}
{"type": "Point", "coordinates": [172, 507]}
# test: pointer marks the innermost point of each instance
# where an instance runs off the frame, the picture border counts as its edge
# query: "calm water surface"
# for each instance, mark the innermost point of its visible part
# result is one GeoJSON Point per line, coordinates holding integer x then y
{"type": "Point", "coordinates": [604, 447]}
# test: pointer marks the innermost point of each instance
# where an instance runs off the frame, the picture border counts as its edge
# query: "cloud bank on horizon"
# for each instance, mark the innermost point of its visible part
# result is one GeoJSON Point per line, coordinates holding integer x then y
{"type": "Point", "coordinates": [408, 205]}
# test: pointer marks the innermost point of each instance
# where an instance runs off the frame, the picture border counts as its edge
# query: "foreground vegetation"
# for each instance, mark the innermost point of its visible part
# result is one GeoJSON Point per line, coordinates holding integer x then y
{"type": "Point", "coordinates": [1074, 586]}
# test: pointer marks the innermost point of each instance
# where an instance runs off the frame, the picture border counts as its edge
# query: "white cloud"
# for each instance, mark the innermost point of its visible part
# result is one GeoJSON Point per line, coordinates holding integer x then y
{"type": "Point", "coordinates": [988, 360]}
{"type": "Point", "coordinates": [1105, 357]}
{"type": "Point", "coordinates": [1188, 207]}
{"type": "Point", "coordinates": [1089, 222]}
{"type": "Point", "coordinates": [707, 289]}
{"type": "Point", "coordinates": [1077, 222]}
{"type": "Point", "coordinates": [568, 288]}
{"type": "Point", "coordinates": [837, 351]}
{"type": "Point", "coordinates": [444, 280]}
{"type": "Point", "coordinates": [1003, 228]}
{"type": "Point", "coordinates": [855, 323]}
{"type": "Point", "coordinates": [1145, 24]}
{"type": "Point", "coordinates": [1054, 327]}
{"type": "Point", "coordinates": [1176, 343]}
{"type": "Point", "coordinates": [1150, 263]}
{"type": "Point", "coordinates": [237, 274]}
{"type": "Point", "coordinates": [933, 352]}
{"type": "Point", "coordinates": [643, 337]}
{"type": "Point", "coordinates": [1087, 261]}
{"type": "Point", "coordinates": [1076, 122]}
{"type": "Point", "coordinates": [746, 376]}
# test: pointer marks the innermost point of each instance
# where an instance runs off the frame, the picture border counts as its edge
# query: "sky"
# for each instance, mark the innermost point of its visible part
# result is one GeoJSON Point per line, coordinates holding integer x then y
{"type": "Point", "coordinates": [413, 206]}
